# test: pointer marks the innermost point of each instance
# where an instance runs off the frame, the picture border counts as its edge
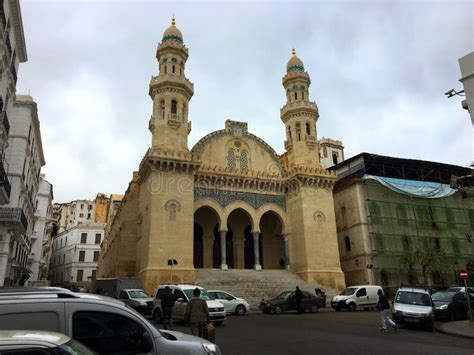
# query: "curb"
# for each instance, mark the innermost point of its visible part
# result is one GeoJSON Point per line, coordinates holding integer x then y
{"type": "Point", "coordinates": [440, 329]}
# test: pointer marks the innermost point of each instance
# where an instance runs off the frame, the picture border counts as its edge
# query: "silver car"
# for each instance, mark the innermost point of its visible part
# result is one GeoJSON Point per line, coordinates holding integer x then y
{"type": "Point", "coordinates": [231, 303]}
{"type": "Point", "coordinates": [104, 324]}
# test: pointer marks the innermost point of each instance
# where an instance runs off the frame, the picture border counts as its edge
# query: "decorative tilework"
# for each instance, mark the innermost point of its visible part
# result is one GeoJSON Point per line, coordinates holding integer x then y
{"type": "Point", "coordinates": [255, 200]}
{"type": "Point", "coordinates": [172, 38]}
{"type": "Point", "coordinates": [296, 67]}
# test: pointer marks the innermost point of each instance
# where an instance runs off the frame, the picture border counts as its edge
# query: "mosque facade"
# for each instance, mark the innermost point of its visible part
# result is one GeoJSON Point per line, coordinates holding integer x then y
{"type": "Point", "coordinates": [230, 201]}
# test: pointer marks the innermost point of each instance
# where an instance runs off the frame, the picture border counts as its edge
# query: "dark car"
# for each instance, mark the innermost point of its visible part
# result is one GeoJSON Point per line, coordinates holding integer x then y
{"type": "Point", "coordinates": [451, 305]}
{"type": "Point", "coordinates": [285, 302]}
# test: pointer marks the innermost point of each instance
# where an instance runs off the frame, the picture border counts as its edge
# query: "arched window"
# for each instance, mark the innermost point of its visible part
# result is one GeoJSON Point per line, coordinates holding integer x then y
{"type": "Point", "coordinates": [334, 158]}
{"type": "Point", "coordinates": [296, 96]}
{"type": "Point", "coordinates": [244, 162]}
{"type": "Point", "coordinates": [308, 129]}
{"type": "Point", "coordinates": [174, 69]}
{"type": "Point", "coordinates": [162, 108]}
{"type": "Point", "coordinates": [289, 133]}
{"type": "Point", "coordinates": [298, 131]}
{"type": "Point", "coordinates": [302, 95]}
{"type": "Point", "coordinates": [231, 163]}
{"type": "Point", "coordinates": [347, 243]}
{"type": "Point", "coordinates": [174, 107]}
{"type": "Point", "coordinates": [166, 69]}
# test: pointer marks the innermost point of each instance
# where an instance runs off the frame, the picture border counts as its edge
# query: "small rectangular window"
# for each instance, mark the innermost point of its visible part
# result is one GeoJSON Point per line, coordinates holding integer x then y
{"type": "Point", "coordinates": [97, 238]}
{"type": "Point", "coordinates": [80, 274]}
{"type": "Point", "coordinates": [82, 255]}
{"type": "Point", "coordinates": [83, 238]}
{"type": "Point", "coordinates": [96, 256]}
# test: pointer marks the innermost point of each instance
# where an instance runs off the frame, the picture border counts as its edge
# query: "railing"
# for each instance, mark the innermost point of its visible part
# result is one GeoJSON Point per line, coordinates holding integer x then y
{"type": "Point", "coordinates": [15, 215]}
{"type": "Point", "coordinates": [4, 180]}
{"type": "Point", "coordinates": [6, 122]}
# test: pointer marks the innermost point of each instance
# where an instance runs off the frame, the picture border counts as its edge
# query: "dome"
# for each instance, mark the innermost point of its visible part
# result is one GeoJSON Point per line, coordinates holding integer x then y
{"type": "Point", "coordinates": [172, 33]}
{"type": "Point", "coordinates": [294, 63]}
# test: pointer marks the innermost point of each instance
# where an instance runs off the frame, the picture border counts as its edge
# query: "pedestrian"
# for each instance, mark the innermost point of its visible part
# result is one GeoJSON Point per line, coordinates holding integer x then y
{"type": "Point", "coordinates": [167, 303]}
{"type": "Point", "coordinates": [298, 298]}
{"type": "Point", "coordinates": [385, 314]}
{"type": "Point", "coordinates": [197, 314]}
{"type": "Point", "coordinates": [321, 293]}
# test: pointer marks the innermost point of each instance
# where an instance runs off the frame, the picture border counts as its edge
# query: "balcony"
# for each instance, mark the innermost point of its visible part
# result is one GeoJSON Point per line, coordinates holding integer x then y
{"type": "Point", "coordinates": [299, 106]}
{"type": "Point", "coordinates": [311, 141]}
{"type": "Point", "coordinates": [5, 187]}
{"type": "Point", "coordinates": [14, 217]}
{"type": "Point", "coordinates": [174, 120]}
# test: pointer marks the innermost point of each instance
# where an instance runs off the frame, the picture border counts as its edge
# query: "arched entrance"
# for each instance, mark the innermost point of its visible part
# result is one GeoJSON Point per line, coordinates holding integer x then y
{"type": "Point", "coordinates": [272, 242]}
{"type": "Point", "coordinates": [206, 220]}
{"type": "Point", "coordinates": [240, 224]}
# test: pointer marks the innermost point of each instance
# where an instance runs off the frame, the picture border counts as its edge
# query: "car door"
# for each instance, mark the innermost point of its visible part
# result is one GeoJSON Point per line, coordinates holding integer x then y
{"type": "Point", "coordinates": [460, 305]}
{"type": "Point", "coordinates": [290, 304]}
{"type": "Point", "coordinates": [362, 297]}
{"type": "Point", "coordinates": [228, 301]}
{"type": "Point", "coordinates": [180, 306]}
{"type": "Point", "coordinates": [308, 300]}
{"type": "Point", "coordinates": [124, 297]}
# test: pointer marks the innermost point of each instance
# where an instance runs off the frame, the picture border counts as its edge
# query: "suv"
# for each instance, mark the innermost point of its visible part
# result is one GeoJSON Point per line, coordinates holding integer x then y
{"type": "Point", "coordinates": [103, 324]}
{"type": "Point", "coordinates": [32, 342]}
{"type": "Point", "coordinates": [413, 305]}
{"type": "Point", "coordinates": [184, 293]}
{"type": "Point", "coordinates": [138, 299]}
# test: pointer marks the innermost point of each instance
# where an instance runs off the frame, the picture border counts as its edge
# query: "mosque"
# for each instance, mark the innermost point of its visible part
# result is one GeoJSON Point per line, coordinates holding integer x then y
{"type": "Point", "coordinates": [230, 201]}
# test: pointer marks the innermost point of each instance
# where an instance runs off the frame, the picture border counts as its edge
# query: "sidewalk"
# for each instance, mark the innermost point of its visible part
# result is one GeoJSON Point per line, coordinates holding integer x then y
{"type": "Point", "coordinates": [462, 328]}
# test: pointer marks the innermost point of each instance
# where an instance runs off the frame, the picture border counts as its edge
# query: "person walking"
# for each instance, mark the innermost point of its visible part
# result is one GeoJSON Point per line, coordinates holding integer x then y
{"type": "Point", "coordinates": [385, 314]}
{"type": "Point", "coordinates": [298, 298]}
{"type": "Point", "coordinates": [167, 303]}
{"type": "Point", "coordinates": [197, 314]}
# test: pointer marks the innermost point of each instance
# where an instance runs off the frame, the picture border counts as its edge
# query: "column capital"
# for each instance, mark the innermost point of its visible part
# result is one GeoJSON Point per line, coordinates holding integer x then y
{"type": "Point", "coordinates": [256, 234]}
{"type": "Point", "coordinates": [223, 233]}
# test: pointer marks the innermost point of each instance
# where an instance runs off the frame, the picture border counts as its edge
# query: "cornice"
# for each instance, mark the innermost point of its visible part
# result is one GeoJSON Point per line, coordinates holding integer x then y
{"type": "Point", "coordinates": [20, 45]}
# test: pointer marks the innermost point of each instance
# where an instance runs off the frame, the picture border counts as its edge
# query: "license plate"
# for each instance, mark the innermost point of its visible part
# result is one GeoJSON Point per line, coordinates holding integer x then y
{"type": "Point", "coordinates": [412, 320]}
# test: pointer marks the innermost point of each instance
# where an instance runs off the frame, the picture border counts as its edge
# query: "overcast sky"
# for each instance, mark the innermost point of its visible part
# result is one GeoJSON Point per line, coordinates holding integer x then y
{"type": "Point", "coordinates": [379, 70]}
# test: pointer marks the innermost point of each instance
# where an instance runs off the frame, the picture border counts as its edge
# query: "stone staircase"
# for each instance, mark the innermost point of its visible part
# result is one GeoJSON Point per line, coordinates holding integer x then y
{"type": "Point", "coordinates": [254, 285]}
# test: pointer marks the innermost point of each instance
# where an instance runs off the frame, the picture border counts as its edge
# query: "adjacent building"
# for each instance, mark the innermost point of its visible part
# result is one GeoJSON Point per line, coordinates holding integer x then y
{"type": "Point", "coordinates": [24, 157]}
{"type": "Point", "coordinates": [466, 65]}
{"type": "Point", "coordinates": [75, 254]}
{"type": "Point", "coordinates": [12, 53]}
{"type": "Point", "coordinates": [331, 152]}
{"type": "Point", "coordinates": [38, 259]}
{"type": "Point", "coordinates": [400, 221]}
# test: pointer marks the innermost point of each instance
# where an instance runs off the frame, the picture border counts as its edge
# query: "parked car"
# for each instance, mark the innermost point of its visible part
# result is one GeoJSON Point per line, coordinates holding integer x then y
{"type": "Point", "coordinates": [231, 303]}
{"type": "Point", "coordinates": [285, 302]}
{"type": "Point", "coordinates": [354, 297]}
{"type": "Point", "coordinates": [103, 324]}
{"type": "Point", "coordinates": [413, 306]}
{"type": "Point", "coordinates": [451, 305]}
{"type": "Point", "coordinates": [183, 294]}
{"type": "Point", "coordinates": [461, 289]}
{"type": "Point", "coordinates": [138, 299]}
{"type": "Point", "coordinates": [39, 342]}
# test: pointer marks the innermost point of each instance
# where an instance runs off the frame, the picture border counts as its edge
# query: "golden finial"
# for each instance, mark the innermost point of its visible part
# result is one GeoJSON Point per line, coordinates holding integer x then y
{"type": "Point", "coordinates": [173, 21]}
{"type": "Point", "coordinates": [293, 52]}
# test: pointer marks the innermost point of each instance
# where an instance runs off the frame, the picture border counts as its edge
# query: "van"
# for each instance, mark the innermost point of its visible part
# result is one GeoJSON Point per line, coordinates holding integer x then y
{"type": "Point", "coordinates": [351, 298]}
{"type": "Point", "coordinates": [414, 306]}
{"type": "Point", "coordinates": [104, 324]}
{"type": "Point", "coordinates": [183, 294]}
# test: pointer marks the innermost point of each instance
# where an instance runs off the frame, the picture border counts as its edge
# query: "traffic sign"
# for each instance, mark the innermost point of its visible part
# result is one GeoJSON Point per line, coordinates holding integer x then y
{"type": "Point", "coordinates": [463, 274]}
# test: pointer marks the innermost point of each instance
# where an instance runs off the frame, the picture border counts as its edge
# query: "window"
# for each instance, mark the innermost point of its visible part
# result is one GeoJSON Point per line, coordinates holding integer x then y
{"type": "Point", "coordinates": [174, 107]}
{"type": "Point", "coordinates": [97, 238]}
{"type": "Point", "coordinates": [108, 333]}
{"type": "Point", "coordinates": [166, 69]}
{"type": "Point", "coordinates": [298, 131]}
{"type": "Point", "coordinates": [83, 238]}
{"type": "Point", "coordinates": [82, 255]}
{"type": "Point", "coordinates": [347, 242]}
{"type": "Point", "coordinates": [302, 95]}
{"type": "Point", "coordinates": [81, 215]}
{"type": "Point", "coordinates": [437, 245]}
{"type": "Point", "coordinates": [296, 96]}
{"type": "Point", "coordinates": [180, 294]}
{"type": "Point", "coordinates": [231, 160]}
{"type": "Point", "coordinates": [402, 217]}
{"type": "Point", "coordinates": [289, 133]}
{"type": "Point", "coordinates": [123, 295]}
{"type": "Point", "coordinates": [335, 158]}
{"type": "Point", "coordinates": [361, 293]}
{"type": "Point", "coordinates": [96, 256]}
{"type": "Point", "coordinates": [80, 274]}
{"type": "Point", "coordinates": [82, 206]}
{"type": "Point", "coordinates": [94, 272]}
{"type": "Point", "coordinates": [174, 69]}
{"type": "Point", "coordinates": [308, 129]}
{"type": "Point", "coordinates": [88, 216]}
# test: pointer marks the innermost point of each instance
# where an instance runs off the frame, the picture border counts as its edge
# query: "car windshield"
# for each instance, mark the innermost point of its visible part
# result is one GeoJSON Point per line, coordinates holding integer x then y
{"type": "Point", "coordinates": [138, 294]}
{"type": "Point", "coordinates": [204, 295]}
{"type": "Point", "coordinates": [348, 291]}
{"type": "Point", "coordinates": [74, 348]}
{"type": "Point", "coordinates": [414, 298]}
{"type": "Point", "coordinates": [442, 296]}
{"type": "Point", "coordinates": [284, 295]}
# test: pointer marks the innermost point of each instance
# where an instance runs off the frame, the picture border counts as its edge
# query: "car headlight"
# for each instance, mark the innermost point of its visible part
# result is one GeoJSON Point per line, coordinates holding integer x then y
{"type": "Point", "coordinates": [210, 348]}
{"type": "Point", "coordinates": [443, 307]}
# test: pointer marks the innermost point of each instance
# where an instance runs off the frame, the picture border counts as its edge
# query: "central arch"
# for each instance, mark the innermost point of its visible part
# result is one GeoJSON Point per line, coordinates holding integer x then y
{"type": "Point", "coordinates": [239, 222]}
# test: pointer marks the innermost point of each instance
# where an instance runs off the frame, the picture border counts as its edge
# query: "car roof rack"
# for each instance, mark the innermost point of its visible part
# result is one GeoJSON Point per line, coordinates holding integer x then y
{"type": "Point", "coordinates": [8, 292]}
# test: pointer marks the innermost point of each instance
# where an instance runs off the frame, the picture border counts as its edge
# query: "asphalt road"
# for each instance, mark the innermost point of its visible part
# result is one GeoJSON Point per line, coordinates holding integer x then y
{"type": "Point", "coordinates": [328, 332]}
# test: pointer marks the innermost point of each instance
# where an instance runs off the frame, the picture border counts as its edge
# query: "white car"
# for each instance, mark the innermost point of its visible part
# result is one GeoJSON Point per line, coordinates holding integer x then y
{"type": "Point", "coordinates": [39, 342]}
{"type": "Point", "coordinates": [231, 303]}
{"type": "Point", "coordinates": [461, 289]}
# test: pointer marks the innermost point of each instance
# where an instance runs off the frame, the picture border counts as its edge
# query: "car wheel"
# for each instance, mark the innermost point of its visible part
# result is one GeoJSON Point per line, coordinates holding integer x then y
{"type": "Point", "coordinates": [451, 316]}
{"type": "Point", "coordinates": [351, 307]}
{"type": "Point", "coordinates": [277, 310]}
{"type": "Point", "coordinates": [240, 310]}
{"type": "Point", "coordinates": [314, 308]}
{"type": "Point", "coordinates": [157, 317]}
{"type": "Point", "coordinates": [219, 322]}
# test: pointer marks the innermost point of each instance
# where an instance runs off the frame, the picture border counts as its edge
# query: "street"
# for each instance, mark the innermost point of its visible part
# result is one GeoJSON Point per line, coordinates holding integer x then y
{"type": "Point", "coordinates": [328, 332]}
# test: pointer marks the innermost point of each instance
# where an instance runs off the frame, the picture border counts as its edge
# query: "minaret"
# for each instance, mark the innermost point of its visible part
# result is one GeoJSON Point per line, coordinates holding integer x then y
{"type": "Point", "coordinates": [299, 116]}
{"type": "Point", "coordinates": [171, 92]}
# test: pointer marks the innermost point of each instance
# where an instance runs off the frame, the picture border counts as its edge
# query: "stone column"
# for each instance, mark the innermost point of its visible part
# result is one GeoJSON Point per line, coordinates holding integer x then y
{"type": "Point", "coordinates": [223, 234]}
{"type": "Point", "coordinates": [287, 251]}
{"type": "Point", "coordinates": [256, 250]}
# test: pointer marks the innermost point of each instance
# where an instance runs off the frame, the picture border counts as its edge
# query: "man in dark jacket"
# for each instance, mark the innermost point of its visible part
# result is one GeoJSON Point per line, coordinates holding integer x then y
{"type": "Point", "coordinates": [385, 316]}
{"type": "Point", "coordinates": [298, 298]}
{"type": "Point", "coordinates": [167, 304]}
{"type": "Point", "coordinates": [197, 314]}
